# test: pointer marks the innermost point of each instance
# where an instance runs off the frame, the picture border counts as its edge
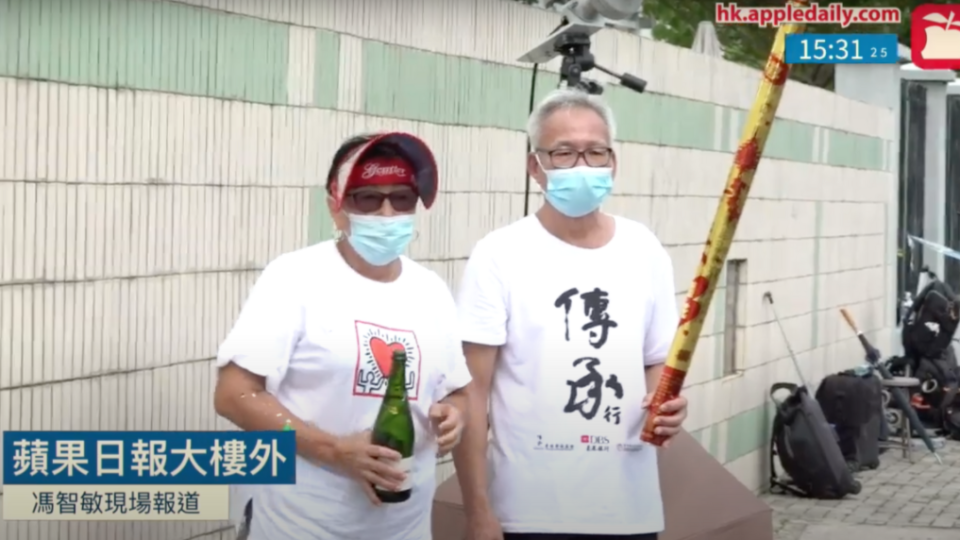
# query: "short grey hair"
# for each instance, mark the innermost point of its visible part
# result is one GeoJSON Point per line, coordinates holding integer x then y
{"type": "Point", "coordinates": [568, 98]}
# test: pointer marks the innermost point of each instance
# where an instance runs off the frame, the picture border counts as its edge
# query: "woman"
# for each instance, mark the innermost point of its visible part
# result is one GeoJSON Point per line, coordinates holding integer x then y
{"type": "Point", "coordinates": [312, 349]}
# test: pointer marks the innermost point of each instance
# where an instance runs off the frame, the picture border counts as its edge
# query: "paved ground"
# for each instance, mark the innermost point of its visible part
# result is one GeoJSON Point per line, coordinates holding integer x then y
{"type": "Point", "coordinates": [899, 501]}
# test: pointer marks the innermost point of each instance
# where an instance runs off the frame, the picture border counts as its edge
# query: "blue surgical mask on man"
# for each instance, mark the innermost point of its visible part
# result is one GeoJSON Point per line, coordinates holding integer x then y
{"type": "Point", "coordinates": [577, 191]}
{"type": "Point", "coordinates": [380, 240]}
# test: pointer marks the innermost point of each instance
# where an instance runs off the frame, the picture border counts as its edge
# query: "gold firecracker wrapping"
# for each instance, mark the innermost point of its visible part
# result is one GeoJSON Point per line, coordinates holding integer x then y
{"type": "Point", "coordinates": [724, 226]}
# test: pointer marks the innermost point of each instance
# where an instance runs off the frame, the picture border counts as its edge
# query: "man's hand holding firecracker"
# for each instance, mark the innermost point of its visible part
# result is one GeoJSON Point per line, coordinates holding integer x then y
{"type": "Point", "coordinates": [669, 419]}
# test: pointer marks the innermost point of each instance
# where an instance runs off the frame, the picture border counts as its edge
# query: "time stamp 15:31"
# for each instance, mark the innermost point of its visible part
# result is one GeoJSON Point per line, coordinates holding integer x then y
{"type": "Point", "coordinates": [842, 49]}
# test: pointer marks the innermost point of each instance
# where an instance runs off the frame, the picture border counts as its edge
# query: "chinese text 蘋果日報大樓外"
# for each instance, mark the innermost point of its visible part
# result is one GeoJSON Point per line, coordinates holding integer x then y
{"type": "Point", "coordinates": [148, 457]}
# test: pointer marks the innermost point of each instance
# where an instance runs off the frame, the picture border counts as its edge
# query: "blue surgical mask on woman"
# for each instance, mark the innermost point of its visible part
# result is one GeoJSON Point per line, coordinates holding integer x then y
{"type": "Point", "coordinates": [577, 191]}
{"type": "Point", "coordinates": [380, 240]}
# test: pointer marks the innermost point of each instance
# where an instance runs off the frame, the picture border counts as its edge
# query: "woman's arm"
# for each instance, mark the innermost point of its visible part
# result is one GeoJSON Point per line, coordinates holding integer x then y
{"type": "Point", "coordinates": [242, 398]}
{"type": "Point", "coordinates": [256, 354]}
{"type": "Point", "coordinates": [253, 363]}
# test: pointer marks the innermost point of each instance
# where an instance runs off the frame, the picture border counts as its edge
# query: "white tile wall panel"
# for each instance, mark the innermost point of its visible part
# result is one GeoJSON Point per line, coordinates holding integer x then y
{"type": "Point", "coordinates": [302, 58]}
{"type": "Point", "coordinates": [108, 231]}
{"type": "Point", "coordinates": [502, 30]}
{"type": "Point", "coordinates": [350, 76]}
{"type": "Point", "coordinates": [65, 331]}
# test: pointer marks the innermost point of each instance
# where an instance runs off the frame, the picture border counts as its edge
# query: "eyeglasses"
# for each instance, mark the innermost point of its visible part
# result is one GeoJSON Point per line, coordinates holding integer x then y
{"type": "Point", "coordinates": [566, 158]}
{"type": "Point", "coordinates": [369, 202]}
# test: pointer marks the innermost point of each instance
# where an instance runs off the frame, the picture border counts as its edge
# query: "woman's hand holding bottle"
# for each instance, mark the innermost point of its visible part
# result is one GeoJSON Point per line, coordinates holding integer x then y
{"type": "Point", "coordinates": [369, 464]}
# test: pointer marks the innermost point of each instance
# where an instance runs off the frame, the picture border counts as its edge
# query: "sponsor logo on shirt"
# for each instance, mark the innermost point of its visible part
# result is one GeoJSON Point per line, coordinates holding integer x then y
{"type": "Point", "coordinates": [630, 447]}
{"type": "Point", "coordinates": [375, 347]}
{"type": "Point", "coordinates": [552, 446]}
{"type": "Point", "coordinates": [595, 443]}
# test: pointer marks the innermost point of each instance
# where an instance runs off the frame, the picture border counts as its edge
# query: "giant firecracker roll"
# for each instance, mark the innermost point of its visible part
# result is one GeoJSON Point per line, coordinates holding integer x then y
{"type": "Point", "coordinates": [724, 226]}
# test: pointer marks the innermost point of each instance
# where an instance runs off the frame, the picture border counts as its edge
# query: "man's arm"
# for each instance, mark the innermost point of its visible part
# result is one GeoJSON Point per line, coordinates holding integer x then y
{"type": "Point", "coordinates": [459, 399]}
{"type": "Point", "coordinates": [470, 457]}
{"type": "Point", "coordinates": [653, 376]}
{"type": "Point", "coordinates": [662, 318]}
{"type": "Point", "coordinates": [482, 307]}
{"type": "Point", "coordinates": [662, 327]}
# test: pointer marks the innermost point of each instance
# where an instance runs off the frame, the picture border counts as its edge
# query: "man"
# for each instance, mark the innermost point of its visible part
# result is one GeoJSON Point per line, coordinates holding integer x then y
{"type": "Point", "coordinates": [567, 317]}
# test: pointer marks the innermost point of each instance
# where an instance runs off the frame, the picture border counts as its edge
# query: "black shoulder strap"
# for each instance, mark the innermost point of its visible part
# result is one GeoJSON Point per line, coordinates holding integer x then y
{"type": "Point", "coordinates": [774, 479]}
{"type": "Point", "coordinates": [777, 485]}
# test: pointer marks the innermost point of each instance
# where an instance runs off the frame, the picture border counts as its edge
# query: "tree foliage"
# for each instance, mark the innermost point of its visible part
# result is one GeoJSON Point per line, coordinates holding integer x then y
{"type": "Point", "coordinates": [676, 22]}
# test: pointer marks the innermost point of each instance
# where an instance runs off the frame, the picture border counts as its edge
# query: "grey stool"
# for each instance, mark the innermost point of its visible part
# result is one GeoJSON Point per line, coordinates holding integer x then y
{"type": "Point", "coordinates": [906, 441]}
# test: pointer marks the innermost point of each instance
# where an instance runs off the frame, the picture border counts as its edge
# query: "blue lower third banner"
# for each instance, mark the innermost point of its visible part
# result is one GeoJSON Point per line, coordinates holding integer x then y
{"type": "Point", "coordinates": [137, 475]}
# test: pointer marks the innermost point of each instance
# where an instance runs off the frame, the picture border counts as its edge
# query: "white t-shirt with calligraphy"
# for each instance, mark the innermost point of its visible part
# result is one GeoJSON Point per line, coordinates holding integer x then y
{"type": "Point", "coordinates": [323, 337]}
{"type": "Point", "coordinates": [576, 327]}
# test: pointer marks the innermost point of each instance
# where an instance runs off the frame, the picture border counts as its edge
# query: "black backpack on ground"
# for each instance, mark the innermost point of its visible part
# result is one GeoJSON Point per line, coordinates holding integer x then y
{"type": "Point", "coordinates": [931, 322]}
{"type": "Point", "coordinates": [868, 445]}
{"type": "Point", "coordinates": [939, 404]}
{"type": "Point", "coordinates": [951, 417]}
{"type": "Point", "coordinates": [807, 449]}
{"type": "Point", "coordinates": [853, 404]}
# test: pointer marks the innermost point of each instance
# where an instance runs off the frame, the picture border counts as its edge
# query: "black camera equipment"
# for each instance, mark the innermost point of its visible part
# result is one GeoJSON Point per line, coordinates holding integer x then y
{"type": "Point", "coordinates": [577, 60]}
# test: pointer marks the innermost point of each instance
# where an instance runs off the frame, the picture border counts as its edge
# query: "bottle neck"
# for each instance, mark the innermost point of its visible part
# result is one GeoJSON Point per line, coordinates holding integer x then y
{"type": "Point", "coordinates": [397, 383]}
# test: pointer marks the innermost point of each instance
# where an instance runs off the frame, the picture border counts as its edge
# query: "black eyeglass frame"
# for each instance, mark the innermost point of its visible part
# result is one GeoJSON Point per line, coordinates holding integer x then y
{"type": "Point", "coordinates": [579, 155]}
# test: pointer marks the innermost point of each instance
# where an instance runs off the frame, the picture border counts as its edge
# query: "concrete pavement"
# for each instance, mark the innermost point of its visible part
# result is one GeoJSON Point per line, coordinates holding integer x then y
{"type": "Point", "coordinates": [899, 501]}
{"type": "Point", "coordinates": [874, 532]}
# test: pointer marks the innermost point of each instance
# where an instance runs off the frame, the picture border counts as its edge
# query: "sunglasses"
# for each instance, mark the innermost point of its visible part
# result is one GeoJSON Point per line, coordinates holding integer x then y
{"type": "Point", "coordinates": [369, 202]}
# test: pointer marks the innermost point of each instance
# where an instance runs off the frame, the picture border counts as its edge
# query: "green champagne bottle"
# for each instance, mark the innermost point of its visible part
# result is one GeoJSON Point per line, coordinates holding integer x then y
{"type": "Point", "coordinates": [394, 427]}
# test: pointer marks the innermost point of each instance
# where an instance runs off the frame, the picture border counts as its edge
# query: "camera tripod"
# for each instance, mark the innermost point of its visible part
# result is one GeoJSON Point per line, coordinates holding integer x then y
{"type": "Point", "coordinates": [577, 60]}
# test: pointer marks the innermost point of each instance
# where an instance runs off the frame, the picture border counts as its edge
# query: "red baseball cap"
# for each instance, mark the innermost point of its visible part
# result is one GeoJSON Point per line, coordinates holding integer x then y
{"type": "Point", "coordinates": [416, 166]}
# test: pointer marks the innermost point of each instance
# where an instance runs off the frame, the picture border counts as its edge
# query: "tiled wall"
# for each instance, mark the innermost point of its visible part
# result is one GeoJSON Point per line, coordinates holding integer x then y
{"type": "Point", "coordinates": [155, 155]}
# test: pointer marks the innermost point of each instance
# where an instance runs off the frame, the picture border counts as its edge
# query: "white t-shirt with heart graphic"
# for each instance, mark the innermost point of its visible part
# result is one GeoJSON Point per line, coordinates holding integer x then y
{"type": "Point", "coordinates": [323, 336]}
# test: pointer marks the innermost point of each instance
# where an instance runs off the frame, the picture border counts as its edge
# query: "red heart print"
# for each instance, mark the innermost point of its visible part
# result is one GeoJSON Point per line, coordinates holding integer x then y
{"type": "Point", "coordinates": [383, 354]}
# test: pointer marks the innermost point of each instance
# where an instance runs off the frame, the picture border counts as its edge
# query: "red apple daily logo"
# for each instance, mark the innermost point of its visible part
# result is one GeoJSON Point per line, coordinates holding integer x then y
{"type": "Point", "coordinates": [935, 36]}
